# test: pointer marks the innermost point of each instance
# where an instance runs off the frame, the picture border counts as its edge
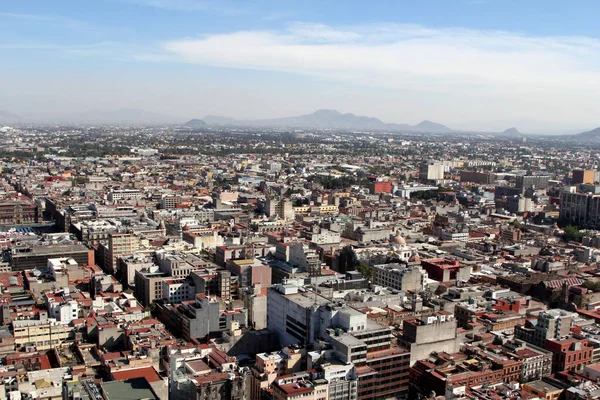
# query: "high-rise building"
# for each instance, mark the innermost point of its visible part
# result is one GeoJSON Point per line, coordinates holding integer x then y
{"type": "Point", "coordinates": [580, 209]}
{"type": "Point", "coordinates": [431, 172]}
{"type": "Point", "coordinates": [552, 324]}
{"type": "Point", "coordinates": [583, 176]}
{"type": "Point", "coordinates": [524, 182]}
{"type": "Point", "coordinates": [119, 244]}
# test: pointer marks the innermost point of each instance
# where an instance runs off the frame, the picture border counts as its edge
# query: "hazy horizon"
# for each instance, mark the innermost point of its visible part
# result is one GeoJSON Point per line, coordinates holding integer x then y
{"type": "Point", "coordinates": [479, 65]}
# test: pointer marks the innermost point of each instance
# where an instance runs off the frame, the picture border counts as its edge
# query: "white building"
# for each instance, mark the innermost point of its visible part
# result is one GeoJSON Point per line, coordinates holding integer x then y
{"type": "Point", "coordinates": [61, 306]}
{"type": "Point", "coordinates": [177, 290]}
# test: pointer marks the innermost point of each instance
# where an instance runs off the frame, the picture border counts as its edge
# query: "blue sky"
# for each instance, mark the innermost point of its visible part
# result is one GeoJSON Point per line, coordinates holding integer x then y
{"type": "Point", "coordinates": [470, 64]}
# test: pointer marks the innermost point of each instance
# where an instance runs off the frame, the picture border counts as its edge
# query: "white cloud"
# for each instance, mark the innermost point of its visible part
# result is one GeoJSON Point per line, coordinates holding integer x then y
{"type": "Point", "coordinates": [407, 57]}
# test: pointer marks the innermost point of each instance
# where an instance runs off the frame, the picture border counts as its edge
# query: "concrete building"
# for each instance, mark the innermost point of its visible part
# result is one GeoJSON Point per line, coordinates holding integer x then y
{"type": "Point", "coordinates": [170, 202]}
{"type": "Point", "coordinates": [294, 315]}
{"type": "Point", "coordinates": [61, 306]}
{"type": "Point", "coordinates": [431, 172]}
{"type": "Point", "coordinates": [580, 209]}
{"type": "Point", "coordinates": [446, 270]}
{"type": "Point", "coordinates": [524, 182]}
{"type": "Point", "coordinates": [37, 256]}
{"type": "Point", "coordinates": [477, 177]}
{"type": "Point", "coordinates": [40, 334]}
{"type": "Point", "coordinates": [115, 196]}
{"type": "Point", "coordinates": [583, 176]}
{"type": "Point", "coordinates": [551, 324]}
{"type": "Point", "coordinates": [436, 332]}
{"type": "Point", "coordinates": [177, 290]}
{"type": "Point", "coordinates": [148, 284]}
{"type": "Point", "coordinates": [202, 317]}
{"type": "Point", "coordinates": [400, 276]}
{"type": "Point", "coordinates": [119, 245]}
{"type": "Point", "coordinates": [283, 208]}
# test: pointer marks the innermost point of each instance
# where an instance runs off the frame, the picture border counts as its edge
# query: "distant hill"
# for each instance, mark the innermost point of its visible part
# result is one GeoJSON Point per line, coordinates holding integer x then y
{"type": "Point", "coordinates": [428, 126]}
{"type": "Point", "coordinates": [593, 134]}
{"type": "Point", "coordinates": [7, 117]}
{"type": "Point", "coordinates": [217, 120]}
{"type": "Point", "coordinates": [511, 132]}
{"type": "Point", "coordinates": [328, 119]}
{"type": "Point", "coordinates": [196, 123]}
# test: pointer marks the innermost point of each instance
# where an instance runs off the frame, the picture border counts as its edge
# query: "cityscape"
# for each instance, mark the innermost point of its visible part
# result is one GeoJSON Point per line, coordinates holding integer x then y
{"type": "Point", "coordinates": [296, 246]}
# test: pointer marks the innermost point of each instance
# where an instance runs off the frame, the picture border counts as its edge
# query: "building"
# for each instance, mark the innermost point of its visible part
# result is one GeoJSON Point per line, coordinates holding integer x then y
{"type": "Point", "coordinates": [536, 362]}
{"type": "Point", "coordinates": [477, 177]}
{"type": "Point", "coordinates": [119, 245]}
{"type": "Point", "coordinates": [446, 270]}
{"type": "Point", "coordinates": [283, 208]}
{"type": "Point", "coordinates": [543, 389]}
{"type": "Point", "coordinates": [436, 332]}
{"type": "Point", "coordinates": [18, 211]}
{"type": "Point", "coordinates": [37, 256]}
{"type": "Point", "coordinates": [148, 285]}
{"type": "Point", "coordinates": [580, 209]}
{"type": "Point", "coordinates": [294, 315]}
{"type": "Point", "coordinates": [381, 187]}
{"type": "Point", "coordinates": [400, 276]}
{"type": "Point", "coordinates": [569, 354]}
{"type": "Point", "coordinates": [202, 317]}
{"type": "Point", "coordinates": [177, 290]}
{"type": "Point", "coordinates": [524, 182]}
{"type": "Point", "coordinates": [61, 306]}
{"type": "Point", "coordinates": [115, 196]}
{"type": "Point", "coordinates": [40, 334]}
{"type": "Point", "coordinates": [170, 202]}
{"type": "Point", "coordinates": [431, 172]}
{"type": "Point", "coordinates": [583, 176]}
{"type": "Point", "coordinates": [551, 324]}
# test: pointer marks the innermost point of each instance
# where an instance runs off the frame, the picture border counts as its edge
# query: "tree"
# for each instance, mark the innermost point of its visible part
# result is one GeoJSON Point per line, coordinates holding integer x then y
{"type": "Point", "coordinates": [572, 234]}
{"type": "Point", "coordinates": [348, 261]}
{"type": "Point", "coordinates": [365, 270]}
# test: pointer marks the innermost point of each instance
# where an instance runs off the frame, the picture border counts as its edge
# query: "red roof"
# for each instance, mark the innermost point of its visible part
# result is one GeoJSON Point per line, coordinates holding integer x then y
{"type": "Point", "coordinates": [148, 373]}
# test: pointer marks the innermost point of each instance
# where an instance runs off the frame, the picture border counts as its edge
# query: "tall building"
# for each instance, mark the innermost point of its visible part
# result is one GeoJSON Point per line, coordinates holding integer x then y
{"type": "Point", "coordinates": [283, 208]}
{"type": "Point", "coordinates": [525, 182]}
{"type": "Point", "coordinates": [299, 317]}
{"type": "Point", "coordinates": [148, 284]}
{"type": "Point", "coordinates": [477, 177]}
{"type": "Point", "coordinates": [119, 245]}
{"type": "Point", "coordinates": [583, 176]}
{"type": "Point", "coordinates": [431, 172]}
{"type": "Point", "coordinates": [552, 324]}
{"type": "Point", "coordinates": [580, 209]}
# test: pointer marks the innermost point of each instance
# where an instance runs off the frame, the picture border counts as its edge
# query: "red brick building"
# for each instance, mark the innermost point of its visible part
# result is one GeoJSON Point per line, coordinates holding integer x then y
{"type": "Point", "coordinates": [569, 354]}
{"type": "Point", "coordinates": [381, 187]}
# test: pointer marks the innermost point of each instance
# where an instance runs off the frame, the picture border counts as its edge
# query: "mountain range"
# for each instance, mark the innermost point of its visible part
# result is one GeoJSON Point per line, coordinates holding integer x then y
{"type": "Point", "coordinates": [321, 119]}
{"type": "Point", "coordinates": [593, 134]}
{"type": "Point", "coordinates": [328, 119]}
{"type": "Point", "coordinates": [7, 117]}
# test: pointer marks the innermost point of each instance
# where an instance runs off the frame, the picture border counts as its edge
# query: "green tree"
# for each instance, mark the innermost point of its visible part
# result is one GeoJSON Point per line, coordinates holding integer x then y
{"type": "Point", "coordinates": [572, 234]}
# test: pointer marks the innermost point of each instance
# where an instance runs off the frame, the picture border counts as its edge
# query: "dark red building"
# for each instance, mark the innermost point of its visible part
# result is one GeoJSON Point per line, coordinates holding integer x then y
{"type": "Point", "coordinates": [569, 354]}
{"type": "Point", "coordinates": [381, 187]}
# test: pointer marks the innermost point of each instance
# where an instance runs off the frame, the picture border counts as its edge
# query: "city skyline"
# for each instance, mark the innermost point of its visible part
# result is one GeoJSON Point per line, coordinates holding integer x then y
{"type": "Point", "coordinates": [470, 65]}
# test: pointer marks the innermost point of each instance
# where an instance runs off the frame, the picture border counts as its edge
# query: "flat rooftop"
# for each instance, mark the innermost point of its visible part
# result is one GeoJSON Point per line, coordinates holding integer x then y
{"type": "Point", "coordinates": [130, 389]}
